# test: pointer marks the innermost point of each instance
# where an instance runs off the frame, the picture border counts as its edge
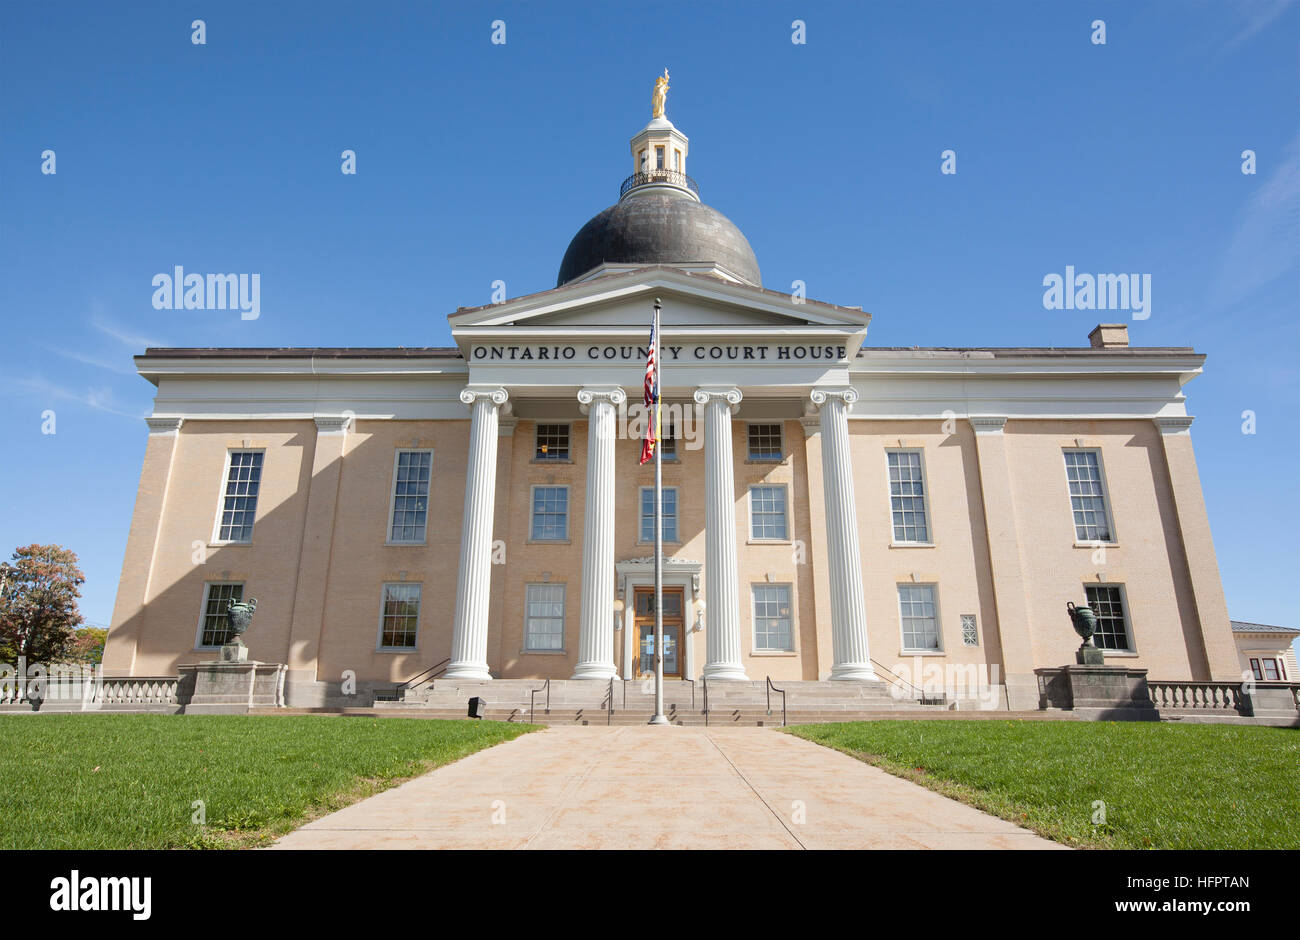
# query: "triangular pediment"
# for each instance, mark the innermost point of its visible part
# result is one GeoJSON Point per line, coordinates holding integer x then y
{"type": "Point", "coordinates": [690, 301]}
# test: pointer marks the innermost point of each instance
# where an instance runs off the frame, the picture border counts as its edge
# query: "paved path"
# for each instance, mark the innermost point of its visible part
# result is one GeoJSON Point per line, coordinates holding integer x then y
{"type": "Point", "coordinates": [663, 788]}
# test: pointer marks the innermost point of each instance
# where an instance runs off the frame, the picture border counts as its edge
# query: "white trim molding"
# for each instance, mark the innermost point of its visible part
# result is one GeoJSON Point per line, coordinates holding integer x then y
{"type": "Point", "coordinates": [988, 424]}
{"type": "Point", "coordinates": [333, 424]}
{"type": "Point", "coordinates": [164, 425]}
{"type": "Point", "coordinates": [1174, 424]}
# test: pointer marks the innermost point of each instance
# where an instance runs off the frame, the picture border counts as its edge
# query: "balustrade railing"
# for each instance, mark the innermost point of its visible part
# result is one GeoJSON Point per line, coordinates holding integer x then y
{"type": "Point", "coordinates": [128, 690]}
{"type": "Point", "coordinates": [650, 177]}
{"type": "Point", "coordinates": [1201, 696]}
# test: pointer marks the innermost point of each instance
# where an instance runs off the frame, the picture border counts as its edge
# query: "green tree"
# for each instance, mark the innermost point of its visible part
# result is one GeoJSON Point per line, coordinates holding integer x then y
{"type": "Point", "coordinates": [38, 603]}
{"type": "Point", "coordinates": [88, 645]}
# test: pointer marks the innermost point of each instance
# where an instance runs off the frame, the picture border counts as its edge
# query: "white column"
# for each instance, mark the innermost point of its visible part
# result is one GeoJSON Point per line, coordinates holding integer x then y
{"type": "Point", "coordinates": [852, 658]}
{"type": "Point", "coordinates": [469, 633]}
{"type": "Point", "coordinates": [721, 582]}
{"type": "Point", "coordinates": [596, 625]}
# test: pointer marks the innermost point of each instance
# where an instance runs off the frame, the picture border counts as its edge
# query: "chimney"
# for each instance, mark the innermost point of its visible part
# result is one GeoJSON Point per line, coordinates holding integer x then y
{"type": "Point", "coordinates": [1109, 336]}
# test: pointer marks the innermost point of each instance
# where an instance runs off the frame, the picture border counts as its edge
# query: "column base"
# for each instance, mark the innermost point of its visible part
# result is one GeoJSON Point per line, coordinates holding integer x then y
{"type": "Point", "coordinates": [856, 672]}
{"type": "Point", "coordinates": [603, 671]}
{"type": "Point", "coordinates": [725, 671]}
{"type": "Point", "coordinates": [476, 671]}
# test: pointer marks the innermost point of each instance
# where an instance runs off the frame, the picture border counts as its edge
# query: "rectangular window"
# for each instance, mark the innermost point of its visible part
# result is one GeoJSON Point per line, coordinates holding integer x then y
{"type": "Point", "coordinates": [772, 617]}
{"type": "Point", "coordinates": [767, 512]}
{"type": "Point", "coordinates": [552, 442]}
{"type": "Point", "coordinates": [1254, 668]}
{"type": "Point", "coordinates": [1271, 672]}
{"type": "Point", "coordinates": [213, 628]}
{"type": "Point", "coordinates": [399, 620]}
{"type": "Point", "coordinates": [410, 495]}
{"type": "Point", "coordinates": [765, 442]}
{"type": "Point", "coordinates": [648, 513]}
{"type": "Point", "coordinates": [550, 513]}
{"type": "Point", "coordinates": [239, 501]}
{"type": "Point", "coordinates": [1107, 602]}
{"type": "Point", "coordinates": [917, 609]}
{"type": "Point", "coordinates": [659, 158]}
{"type": "Point", "coordinates": [544, 617]}
{"type": "Point", "coordinates": [969, 631]}
{"type": "Point", "coordinates": [1087, 496]}
{"type": "Point", "coordinates": [669, 443]}
{"type": "Point", "coordinates": [677, 160]}
{"type": "Point", "coordinates": [907, 496]}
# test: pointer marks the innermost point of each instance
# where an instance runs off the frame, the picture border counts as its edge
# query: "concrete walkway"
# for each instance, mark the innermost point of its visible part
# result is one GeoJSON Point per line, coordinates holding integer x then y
{"type": "Point", "coordinates": [660, 788]}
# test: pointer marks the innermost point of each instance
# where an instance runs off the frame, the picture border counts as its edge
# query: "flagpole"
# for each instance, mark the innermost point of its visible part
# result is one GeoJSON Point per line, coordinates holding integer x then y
{"type": "Point", "coordinates": [659, 718]}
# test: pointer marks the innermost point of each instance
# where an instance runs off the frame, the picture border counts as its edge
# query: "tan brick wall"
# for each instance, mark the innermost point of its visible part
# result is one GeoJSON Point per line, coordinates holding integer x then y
{"type": "Point", "coordinates": [159, 602]}
{"type": "Point", "coordinates": [958, 562]}
{"type": "Point", "coordinates": [185, 558]}
{"type": "Point", "coordinates": [362, 561]}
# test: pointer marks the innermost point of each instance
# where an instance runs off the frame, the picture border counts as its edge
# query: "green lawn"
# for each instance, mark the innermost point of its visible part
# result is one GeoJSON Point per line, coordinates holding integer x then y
{"type": "Point", "coordinates": [130, 781]}
{"type": "Point", "coordinates": [1165, 786]}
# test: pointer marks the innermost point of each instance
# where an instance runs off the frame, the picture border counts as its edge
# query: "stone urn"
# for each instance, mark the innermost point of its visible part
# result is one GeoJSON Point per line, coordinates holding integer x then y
{"type": "Point", "coordinates": [239, 616]}
{"type": "Point", "coordinates": [1084, 622]}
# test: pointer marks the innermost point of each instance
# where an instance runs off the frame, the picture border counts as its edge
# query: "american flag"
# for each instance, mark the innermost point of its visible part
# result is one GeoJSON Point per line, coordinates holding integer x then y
{"type": "Point", "coordinates": [652, 392]}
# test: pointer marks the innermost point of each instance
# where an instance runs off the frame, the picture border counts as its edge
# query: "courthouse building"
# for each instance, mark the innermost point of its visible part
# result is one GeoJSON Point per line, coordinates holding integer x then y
{"type": "Point", "coordinates": [833, 510]}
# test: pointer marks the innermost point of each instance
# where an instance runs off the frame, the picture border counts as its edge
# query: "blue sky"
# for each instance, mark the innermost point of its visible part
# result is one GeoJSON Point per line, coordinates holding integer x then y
{"type": "Point", "coordinates": [478, 162]}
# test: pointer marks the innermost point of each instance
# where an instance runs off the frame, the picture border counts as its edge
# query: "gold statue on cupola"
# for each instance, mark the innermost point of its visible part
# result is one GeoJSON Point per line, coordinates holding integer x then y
{"type": "Point", "coordinates": [659, 97]}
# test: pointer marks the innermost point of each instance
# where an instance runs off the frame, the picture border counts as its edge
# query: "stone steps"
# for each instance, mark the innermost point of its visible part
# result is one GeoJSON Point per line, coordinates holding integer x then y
{"type": "Point", "coordinates": [717, 718]}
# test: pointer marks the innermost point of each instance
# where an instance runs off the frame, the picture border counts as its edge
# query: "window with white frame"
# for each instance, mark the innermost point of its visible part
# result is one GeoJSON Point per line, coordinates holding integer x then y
{"type": "Point", "coordinates": [969, 630]}
{"type": "Point", "coordinates": [648, 513]}
{"type": "Point", "coordinates": [239, 499]}
{"type": "Point", "coordinates": [907, 496]}
{"type": "Point", "coordinates": [765, 442]}
{"type": "Point", "coordinates": [552, 442]}
{"type": "Point", "coordinates": [544, 617]}
{"type": "Point", "coordinates": [411, 471]}
{"type": "Point", "coordinates": [1088, 496]}
{"type": "Point", "coordinates": [918, 612]}
{"type": "Point", "coordinates": [399, 621]}
{"type": "Point", "coordinates": [767, 515]}
{"type": "Point", "coordinates": [214, 629]}
{"type": "Point", "coordinates": [772, 617]}
{"type": "Point", "coordinates": [1107, 602]}
{"type": "Point", "coordinates": [550, 513]}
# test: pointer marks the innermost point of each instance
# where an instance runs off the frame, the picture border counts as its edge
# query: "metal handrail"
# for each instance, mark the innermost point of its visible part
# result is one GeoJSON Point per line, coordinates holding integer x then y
{"type": "Point", "coordinates": [609, 714]}
{"type": "Point", "coordinates": [692, 682]}
{"type": "Point", "coordinates": [649, 177]}
{"type": "Point", "coordinates": [770, 689]}
{"type": "Point", "coordinates": [705, 680]}
{"type": "Point", "coordinates": [421, 677]}
{"type": "Point", "coordinates": [532, 702]}
{"type": "Point", "coordinates": [894, 677]}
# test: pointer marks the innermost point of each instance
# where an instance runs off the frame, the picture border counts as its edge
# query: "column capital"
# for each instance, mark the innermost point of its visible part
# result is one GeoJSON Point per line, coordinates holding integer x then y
{"type": "Point", "coordinates": [610, 393]}
{"type": "Point", "coordinates": [333, 424]}
{"type": "Point", "coordinates": [845, 393]}
{"type": "Point", "coordinates": [987, 424]}
{"type": "Point", "coordinates": [728, 393]}
{"type": "Point", "coordinates": [164, 425]}
{"type": "Point", "coordinates": [494, 393]}
{"type": "Point", "coordinates": [1174, 424]}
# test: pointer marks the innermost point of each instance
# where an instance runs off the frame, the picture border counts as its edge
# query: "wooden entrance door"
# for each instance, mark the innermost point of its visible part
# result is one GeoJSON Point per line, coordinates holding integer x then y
{"type": "Point", "coordinates": [644, 625]}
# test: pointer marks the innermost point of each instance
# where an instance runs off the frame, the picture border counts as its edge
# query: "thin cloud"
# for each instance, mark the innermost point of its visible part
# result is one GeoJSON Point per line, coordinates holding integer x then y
{"type": "Point", "coordinates": [124, 336]}
{"type": "Point", "coordinates": [99, 399]}
{"type": "Point", "coordinates": [108, 364]}
{"type": "Point", "coordinates": [1258, 15]}
{"type": "Point", "coordinates": [1264, 245]}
